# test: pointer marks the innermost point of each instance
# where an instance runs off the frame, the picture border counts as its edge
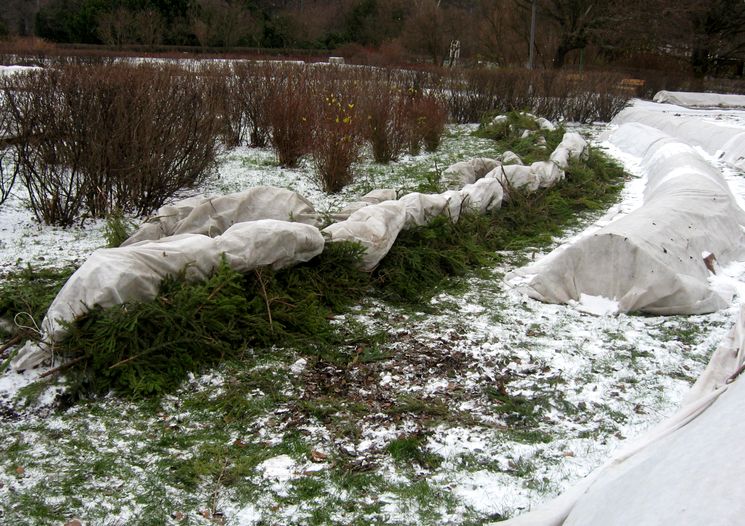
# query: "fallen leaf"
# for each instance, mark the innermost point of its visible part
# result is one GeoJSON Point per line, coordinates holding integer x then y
{"type": "Point", "coordinates": [74, 522]}
{"type": "Point", "coordinates": [317, 456]}
{"type": "Point", "coordinates": [178, 516]}
{"type": "Point", "coordinates": [20, 470]}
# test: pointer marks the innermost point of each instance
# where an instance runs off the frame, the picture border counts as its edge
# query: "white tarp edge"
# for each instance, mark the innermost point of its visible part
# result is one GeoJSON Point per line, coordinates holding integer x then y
{"type": "Point", "coordinates": [686, 471]}
{"type": "Point", "coordinates": [651, 259]}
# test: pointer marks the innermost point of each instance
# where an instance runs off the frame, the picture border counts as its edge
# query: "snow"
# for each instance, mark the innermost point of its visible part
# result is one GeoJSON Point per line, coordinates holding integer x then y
{"type": "Point", "coordinates": [603, 362]}
{"type": "Point", "coordinates": [280, 468]}
{"type": "Point", "coordinates": [597, 305]}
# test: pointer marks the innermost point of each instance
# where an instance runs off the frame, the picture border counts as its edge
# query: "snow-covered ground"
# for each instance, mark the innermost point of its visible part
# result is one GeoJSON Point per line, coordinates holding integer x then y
{"type": "Point", "coordinates": [587, 382]}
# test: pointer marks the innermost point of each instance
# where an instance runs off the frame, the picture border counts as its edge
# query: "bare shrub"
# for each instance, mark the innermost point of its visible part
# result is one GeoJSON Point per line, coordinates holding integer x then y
{"type": "Point", "coordinates": [556, 95]}
{"type": "Point", "coordinates": [225, 91]}
{"type": "Point", "coordinates": [98, 138]}
{"type": "Point", "coordinates": [291, 114]}
{"type": "Point", "coordinates": [254, 87]}
{"type": "Point", "coordinates": [430, 114]}
{"type": "Point", "coordinates": [337, 140]}
{"type": "Point", "coordinates": [385, 120]}
{"type": "Point", "coordinates": [8, 164]}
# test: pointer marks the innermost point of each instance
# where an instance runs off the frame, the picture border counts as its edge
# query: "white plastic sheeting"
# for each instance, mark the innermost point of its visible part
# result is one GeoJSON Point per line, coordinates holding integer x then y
{"type": "Point", "coordinates": [651, 260]}
{"type": "Point", "coordinates": [700, 100]}
{"type": "Point", "coordinates": [211, 216]}
{"type": "Point", "coordinates": [686, 471]}
{"type": "Point", "coordinates": [133, 273]}
{"type": "Point", "coordinates": [726, 142]}
{"type": "Point", "coordinates": [375, 227]}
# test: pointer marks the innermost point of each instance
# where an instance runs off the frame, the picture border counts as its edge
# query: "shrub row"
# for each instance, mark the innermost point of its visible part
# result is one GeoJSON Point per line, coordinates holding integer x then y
{"type": "Point", "coordinates": [89, 139]}
{"type": "Point", "coordinates": [553, 94]}
{"type": "Point", "coordinates": [95, 139]}
{"type": "Point", "coordinates": [142, 348]}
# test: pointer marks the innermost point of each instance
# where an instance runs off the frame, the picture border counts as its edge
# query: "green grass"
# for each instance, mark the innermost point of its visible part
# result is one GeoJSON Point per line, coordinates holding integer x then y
{"type": "Point", "coordinates": [26, 295]}
{"type": "Point", "coordinates": [196, 445]}
{"type": "Point", "coordinates": [409, 450]}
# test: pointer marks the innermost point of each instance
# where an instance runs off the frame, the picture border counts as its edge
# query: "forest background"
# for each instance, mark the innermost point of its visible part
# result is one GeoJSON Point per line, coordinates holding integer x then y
{"type": "Point", "coordinates": [683, 36]}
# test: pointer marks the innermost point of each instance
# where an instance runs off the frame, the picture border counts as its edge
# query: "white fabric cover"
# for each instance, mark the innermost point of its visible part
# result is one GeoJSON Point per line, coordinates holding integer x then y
{"type": "Point", "coordinates": [547, 173]}
{"type": "Point", "coordinates": [348, 210]}
{"type": "Point", "coordinates": [214, 215]}
{"type": "Point", "coordinates": [371, 198]}
{"type": "Point", "coordinates": [700, 100]}
{"type": "Point", "coordinates": [375, 227]}
{"type": "Point", "coordinates": [484, 195]}
{"type": "Point", "coordinates": [455, 203]}
{"type": "Point", "coordinates": [651, 259]}
{"type": "Point", "coordinates": [421, 209]}
{"type": "Point", "coordinates": [686, 471]}
{"type": "Point", "coordinates": [133, 273]}
{"type": "Point", "coordinates": [572, 146]}
{"type": "Point", "coordinates": [468, 172]}
{"type": "Point", "coordinates": [727, 142]}
{"type": "Point", "coordinates": [509, 157]}
{"type": "Point", "coordinates": [515, 176]}
{"type": "Point", "coordinates": [378, 196]}
{"type": "Point", "coordinates": [545, 124]}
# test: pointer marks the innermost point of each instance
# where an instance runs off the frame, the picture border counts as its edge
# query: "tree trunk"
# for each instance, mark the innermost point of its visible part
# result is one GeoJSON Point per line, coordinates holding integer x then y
{"type": "Point", "coordinates": [561, 53]}
{"type": "Point", "coordinates": [700, 61]}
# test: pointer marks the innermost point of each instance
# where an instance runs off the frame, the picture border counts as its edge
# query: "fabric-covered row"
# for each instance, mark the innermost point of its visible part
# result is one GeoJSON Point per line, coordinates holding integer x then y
{"type": "Point", "coordinates": [728, 142]}
{"type": "Point", "coordinates": [371, 198]}
{"type": "Point", "coordinates": [651, 260]}
{"type": "Point", "coordinates": [133, 273]}
{"type": "Point", "coordinates": [214, 215]}
{"type": "Point", "coordinates": [375, 227]}
{"type": "Point", "coordinates": [468, 172]}
{"type": "Point", "coordinates": [700, 100]}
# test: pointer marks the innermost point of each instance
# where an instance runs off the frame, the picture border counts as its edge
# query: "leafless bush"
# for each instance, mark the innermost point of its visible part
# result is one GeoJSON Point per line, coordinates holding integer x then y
{"type": "Point", "coordinates": [98, 138]}
{"type": "Point", "coordinates": [429, 115]}
{"type": "Point", "coordinates": [254, 87]}
{"type": "Point", "coordinates": [385, 120]}
{"type": "Point", "coordinates": [224, 89]}
{"type": "Point", "coordinates": [290, 115]}
{"type": "Point", "coordinates": [555, 95]}
{"type": "Point", "coordinates": [8, 164]}
{"type": "Point", "coordinates": [336, 140]}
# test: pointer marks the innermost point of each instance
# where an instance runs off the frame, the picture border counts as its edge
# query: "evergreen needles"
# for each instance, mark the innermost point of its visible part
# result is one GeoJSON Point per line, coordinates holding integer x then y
{"type": "Point", "coordinates": [147, 348]}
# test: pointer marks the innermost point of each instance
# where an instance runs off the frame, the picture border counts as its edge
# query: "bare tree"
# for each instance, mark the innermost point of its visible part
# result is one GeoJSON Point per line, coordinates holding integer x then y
{"type": "Point", "coordinates": [222, 23]}
{"type": "Point", "coordinates": [502, 31]}
{"type": "Point", "coordinates": [579, 22]}
{"type": "Point", "coordinates": [425, 30]}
